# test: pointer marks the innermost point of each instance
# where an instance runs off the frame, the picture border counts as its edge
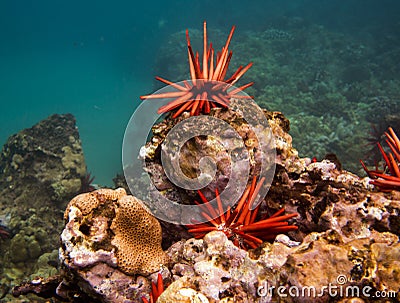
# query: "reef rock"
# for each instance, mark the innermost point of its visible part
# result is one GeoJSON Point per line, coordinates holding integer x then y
{"type": "Point", "coordinates": [217, 270]}
{"type": "Point", "coordinates": [108, 238]}
{"type": "Point", "coordinates": [200, 146]}
{"type": "Point", "coordinates": [47, 156]}
{"type": "Point", "coordinates": [345, 250]}
{"type": "Point", "coordinates": [346, 233]}
{"type": "Point", "coordinates": [331, 199]}
{"type": "Point", "coordinates": [41, 170]}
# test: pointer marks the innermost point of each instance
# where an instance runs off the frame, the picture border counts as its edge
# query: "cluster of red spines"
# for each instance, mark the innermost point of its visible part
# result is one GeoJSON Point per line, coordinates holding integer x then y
{"type": "Point", "coordinates": [4, 234]}
{"type": "Point", "coordinates": [389, 178]}
{"type": "Point", "coordinates": [241, 224]}
{"type": "Point", "coordinates": [156, 290]}
{"type": "Point", "coordinates": [205, 90]}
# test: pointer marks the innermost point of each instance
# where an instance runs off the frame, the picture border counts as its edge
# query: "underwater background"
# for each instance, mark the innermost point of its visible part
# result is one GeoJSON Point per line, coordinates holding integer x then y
{"type": "Point", "coordinates": [329, 66]}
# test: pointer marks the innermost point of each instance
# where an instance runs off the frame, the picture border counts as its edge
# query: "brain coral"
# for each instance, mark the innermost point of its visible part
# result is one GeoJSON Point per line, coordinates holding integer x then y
{"type": "Point", "coordinates": [134, 233]}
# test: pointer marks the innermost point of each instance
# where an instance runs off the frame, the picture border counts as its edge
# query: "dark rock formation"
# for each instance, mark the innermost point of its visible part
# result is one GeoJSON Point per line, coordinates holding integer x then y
{"type": "Point", "coordinates": [41, 169]}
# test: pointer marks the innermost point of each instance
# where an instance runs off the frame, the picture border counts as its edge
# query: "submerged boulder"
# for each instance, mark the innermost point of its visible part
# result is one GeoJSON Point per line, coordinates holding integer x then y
{"type": "Point", "coordinates": [41, 170]}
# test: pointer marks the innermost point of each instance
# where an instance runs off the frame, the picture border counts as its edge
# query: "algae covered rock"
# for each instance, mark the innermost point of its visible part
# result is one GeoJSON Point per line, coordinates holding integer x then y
{"type": "Point", "coordinates": [241, 139]}
{"type": "Point", "coordinates": [48, 155]}
{"type": "Point", "coordinates": [42, 168]}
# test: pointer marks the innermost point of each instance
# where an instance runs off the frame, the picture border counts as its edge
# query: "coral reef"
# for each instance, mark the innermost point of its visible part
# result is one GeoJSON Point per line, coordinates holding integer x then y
{"type": "Point", "coordinates": [137, 238]}
{"type": "Point", "coordinates": [347, 237]}
{"type": "Point", "coordinates": [220, 272]}
{"type": "Point", "coordinates": [41, 167]}
{"type": "Point", "coordinates": [329, 199]}
{"type": "Point", "coordinates": [329, 84]}
{"type": "Point", "coordinates": [346, 234]}
{"type": "Point", "coordinates": [49, 154]}
{"type": "Point", "coordinates": [200, 146]}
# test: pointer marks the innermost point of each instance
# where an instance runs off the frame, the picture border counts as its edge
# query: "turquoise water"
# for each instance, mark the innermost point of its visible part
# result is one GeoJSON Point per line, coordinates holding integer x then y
{"type": "Point", "coordinates": [95, 59]}
{"type": "Point", "coordinates": [60, 57]}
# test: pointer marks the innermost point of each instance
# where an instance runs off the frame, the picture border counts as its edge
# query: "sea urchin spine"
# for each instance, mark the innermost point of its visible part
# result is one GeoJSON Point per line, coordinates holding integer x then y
{"type": "Point", "coordinates": [207, 88]}
{"type": "Point", "coordinates": [240, 224]}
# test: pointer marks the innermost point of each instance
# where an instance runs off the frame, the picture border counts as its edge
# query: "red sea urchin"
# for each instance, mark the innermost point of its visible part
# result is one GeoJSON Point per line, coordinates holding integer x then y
{"type": "Point", "coordinates": [4, 233]}
{"type": "Point", "coordinates": [240, 224]}
{"type": "Point", "coordinates": [87, 183]}
{"type": "Point", "coordinates": [389, 178]}
{"type": "Point", "coordinates": [207, 87]}
{"type": "Point", "coordinates": [156, 290]}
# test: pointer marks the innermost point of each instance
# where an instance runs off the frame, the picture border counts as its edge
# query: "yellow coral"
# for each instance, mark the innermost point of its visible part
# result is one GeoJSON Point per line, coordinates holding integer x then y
{"type": "Point", "coordinates": [137, 237]}
{"type": "Point", "coordinates": [72, 160]}
{"type": "Point", "coordinates": [137, 234]}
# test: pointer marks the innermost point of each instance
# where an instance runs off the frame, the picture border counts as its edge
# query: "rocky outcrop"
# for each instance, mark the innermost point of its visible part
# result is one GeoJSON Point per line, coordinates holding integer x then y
{"type": "Point", "coordinates": [41, 169]}
{"type": "Point", "coordinates": [345, 250]}
{"type": "Point", "coordinates": [324, 267]}
{"type": "Point", "coordinates": [47, 156]}
{"type": "Point", "coordinates": [199, 147]}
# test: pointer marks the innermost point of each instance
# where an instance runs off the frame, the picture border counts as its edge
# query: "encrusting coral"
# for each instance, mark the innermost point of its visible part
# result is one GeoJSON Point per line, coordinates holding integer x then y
{"type": "Point", "coordinates": [135, 240]}
{"type": "Point", "coordinates": [137, 237]}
